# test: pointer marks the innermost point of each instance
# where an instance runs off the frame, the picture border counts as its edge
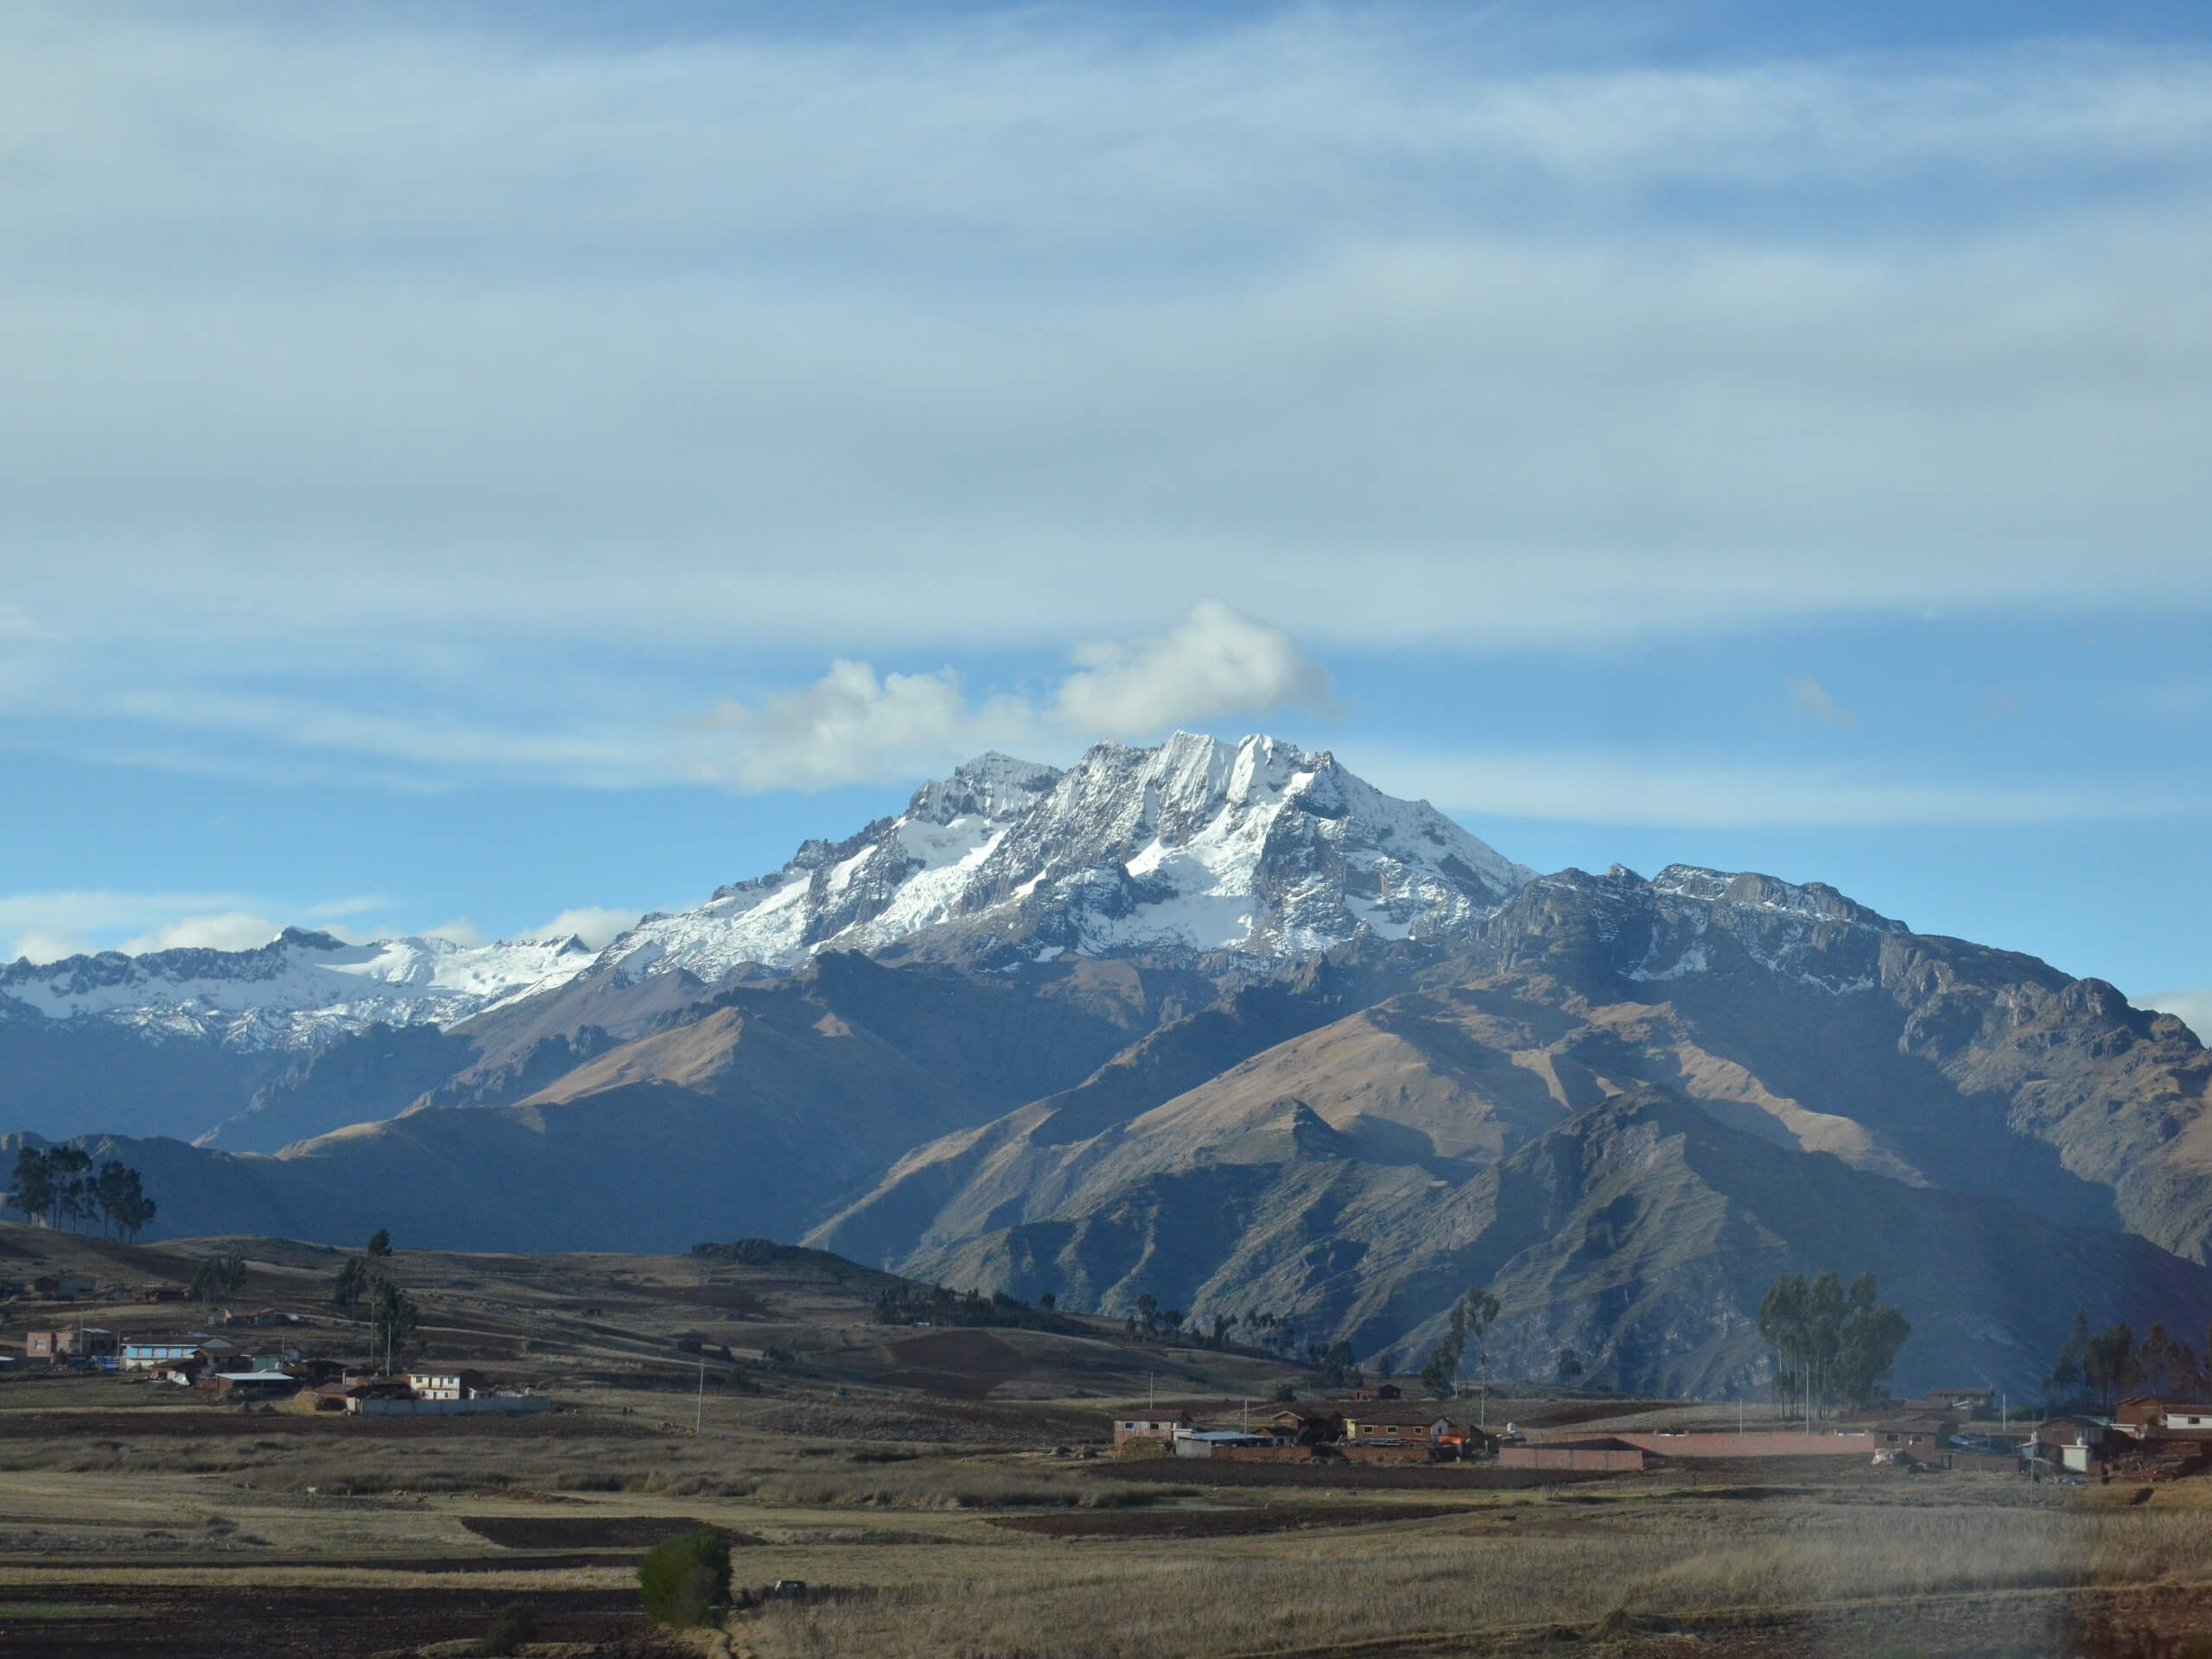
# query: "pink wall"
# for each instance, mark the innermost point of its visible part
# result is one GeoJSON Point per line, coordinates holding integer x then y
{"type": "Point", "coordinates": [1754, 1443]}
{"type": "Point", "coordinates": [1569, 1456]}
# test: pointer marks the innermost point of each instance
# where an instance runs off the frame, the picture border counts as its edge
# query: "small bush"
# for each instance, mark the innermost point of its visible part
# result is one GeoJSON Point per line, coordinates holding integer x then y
{"type": "Point", "coordinates": [684, 1579]}
{"type": "Point", "coordinates": [511, 1626]}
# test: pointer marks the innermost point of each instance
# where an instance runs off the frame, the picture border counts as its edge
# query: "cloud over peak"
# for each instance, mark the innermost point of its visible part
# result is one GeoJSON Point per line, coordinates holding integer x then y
{"type": "Point", "coordinates": [852, 727]}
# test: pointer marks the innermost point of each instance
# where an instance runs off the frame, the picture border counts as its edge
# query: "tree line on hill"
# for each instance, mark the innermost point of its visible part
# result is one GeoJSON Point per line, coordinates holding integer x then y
{"type": "Point", "coordinates": [366, 1289]}
{"type": "Point", "coordinates": [57, 1186]}
{"type": "Point", "coordinates": [905, 1304]}
{"type": "Point", "coordinates": [1831, 1346]}
{"type": "Point", "coordinates": [2096, 1370]}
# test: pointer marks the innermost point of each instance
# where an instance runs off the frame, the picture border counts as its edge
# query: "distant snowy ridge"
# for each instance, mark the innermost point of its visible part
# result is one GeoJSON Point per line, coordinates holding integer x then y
{"type": "Point", "coordinates": [1195, 848]}
{"type": "Point", "coordinates": [299, 989]}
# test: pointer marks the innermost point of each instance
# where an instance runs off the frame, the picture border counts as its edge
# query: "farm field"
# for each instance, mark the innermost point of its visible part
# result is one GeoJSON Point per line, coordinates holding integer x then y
{"type": "Point", "coordinates": [951, 1492]}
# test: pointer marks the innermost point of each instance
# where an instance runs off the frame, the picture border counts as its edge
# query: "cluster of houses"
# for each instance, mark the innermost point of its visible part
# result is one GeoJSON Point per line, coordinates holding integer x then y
{"type": "Point", "coordinates": [242, 1369]}
{"type": "Point", "coordinates": [2147, 1438]}
{"type": "Point", "coordinates": [1368, 1424]}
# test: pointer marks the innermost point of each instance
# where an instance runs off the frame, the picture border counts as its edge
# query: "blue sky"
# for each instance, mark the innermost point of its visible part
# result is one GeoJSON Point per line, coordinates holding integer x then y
{"type": "Point", "coordinates": [466, 465]}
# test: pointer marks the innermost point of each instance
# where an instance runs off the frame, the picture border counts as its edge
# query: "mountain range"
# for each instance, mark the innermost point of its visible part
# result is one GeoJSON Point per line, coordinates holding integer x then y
{"type": "Point", "coordinates": [1217, 1023]}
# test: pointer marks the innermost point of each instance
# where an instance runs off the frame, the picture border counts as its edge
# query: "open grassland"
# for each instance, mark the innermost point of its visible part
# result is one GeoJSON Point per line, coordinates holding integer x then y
{"type": "Point", "coordinates": [933, 1514]}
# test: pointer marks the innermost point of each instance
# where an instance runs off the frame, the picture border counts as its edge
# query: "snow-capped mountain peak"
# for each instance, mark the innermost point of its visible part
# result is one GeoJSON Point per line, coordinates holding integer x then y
{"type": "Point", "coordinates": [1195, 847]}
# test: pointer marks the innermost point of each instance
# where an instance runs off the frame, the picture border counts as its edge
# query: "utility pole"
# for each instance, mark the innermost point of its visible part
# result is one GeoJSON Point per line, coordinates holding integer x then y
{"type": "Point", "coordinates": [1150, 1405]}
{"type": "Point", "coordinates": [699, 1417]}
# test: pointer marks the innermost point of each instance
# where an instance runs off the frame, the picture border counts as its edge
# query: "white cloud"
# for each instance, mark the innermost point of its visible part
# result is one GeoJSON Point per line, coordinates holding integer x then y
{"type": "Point", "coordinates": [596, 925]}
{"type": "Point", "coordinates": [1217, 662]}
{"type": "Point", "coordinates": [42, 945]}
{"type": "Point", "coordinates": [233, 929]}
{"type": "Point", "coordinates": [48, 926]}
{"type": "Point", "coordinates": [1627, 788]}
{"type": "Point", "coordinates": [851, 727]}
{"type": "Point", "coordinates": [459, 931]}
{"type": "Point", "coordinates": [2194, 1007]}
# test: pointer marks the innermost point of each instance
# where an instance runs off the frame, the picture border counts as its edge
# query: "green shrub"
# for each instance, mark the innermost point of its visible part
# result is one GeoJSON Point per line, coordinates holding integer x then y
{"type": "Point", "coordinates": [511, 1626]}
{"type": "Point", "coordinates": [684, 1579]}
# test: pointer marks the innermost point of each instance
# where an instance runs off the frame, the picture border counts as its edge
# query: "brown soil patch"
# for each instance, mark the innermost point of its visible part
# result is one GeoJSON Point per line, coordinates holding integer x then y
{"type": "Point", "coordinates": [962, 1364]}
{"type": "Point", "coordinates": [1348, 1476]}
{"type": "Point", "coordinates": [586, 1531]}
{"type": "Point", "coordinates": [271, 1621]}
{"type": "Point", "coordinates": [1220, 1524]}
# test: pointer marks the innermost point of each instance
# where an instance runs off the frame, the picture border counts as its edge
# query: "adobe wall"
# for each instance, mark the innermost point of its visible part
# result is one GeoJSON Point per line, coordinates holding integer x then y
{"type": "Point", "coordinates": [1752, 1443]}
{"type": "Point", "coordinates": [1571, 1456]}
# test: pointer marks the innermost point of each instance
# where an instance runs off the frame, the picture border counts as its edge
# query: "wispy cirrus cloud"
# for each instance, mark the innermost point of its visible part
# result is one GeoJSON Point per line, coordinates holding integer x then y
{"type": "Point", "coordinates": [989, 330]}
{"type": "Point", "coordinates": [1626, 788]}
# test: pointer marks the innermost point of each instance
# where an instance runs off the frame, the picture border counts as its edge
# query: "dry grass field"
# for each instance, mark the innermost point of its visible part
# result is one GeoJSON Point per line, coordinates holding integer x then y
{"type": "Point", "coordinates": [941, 1494]}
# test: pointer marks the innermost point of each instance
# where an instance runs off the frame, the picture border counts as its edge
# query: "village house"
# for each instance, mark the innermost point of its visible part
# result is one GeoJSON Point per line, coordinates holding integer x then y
{"type": "Point", "coordinates": [62, 1286]}
{"type": "Point", "coordinates": [1314, 1424]}
{"type": "Point", "coordinates": [258, 1317]}
{"type": "Point", "coordinates": [158, 1355]}
{"type": "Point", "coordinates": [443, 1384]}
{"type": "Point", "coordinates": [1161, 1430]}
{"type": "Point", "coordinates": [73, 1342]}
{"type": "Point", "coordinates": [1380, 1391]}
{"type": "Point", "coordinates": [250, 1387]}
{"type": "Point", "coordinates": [1919, 1434]}
{"type": "Point", "coordinates": [2078, 1445]}
{"type": "Point", "coordinates": [2146, 1416]}
{"type": "Point", "coordinates": [1205, 1442]}
{"type": "Point", "coordinates": [1402, 1425]}
{"type": "Point", "coordinates": [150, 1294]}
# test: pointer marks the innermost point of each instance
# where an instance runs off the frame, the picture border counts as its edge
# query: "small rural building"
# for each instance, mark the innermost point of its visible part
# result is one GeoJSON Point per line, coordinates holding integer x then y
{"type": "Point", "coordinates": [2145, 1415]}
{"type": "Point", "coordinates": [445, 1384]}
{"type": "Point", "coordinates": [1406, 1424]}
{"type": "Point", "coordinates": [2077, 1443]}
{"type": "Point", "coordinates": [258, 1317]}
{"type": "Point", "coordinates": [1309, 1425]}
{"type": "Point", "coordinates": [1205, 1443]}
{"type": "Point", "coordinates": [1919, 1434]}
{"type": "Point", "coordinates": [1465, 1441]}
{"type": "Point", "coordinates": [1972, 1402]}
{"type": "Point", "coordinates": [249, 1386]}
{"type": "Point", "coordinates": [71, 1341]}
{"type": "Point", "coordinates": [1380, 1391]}
{"type": "Point", "coordinates": [62, 1286]}
{"type": "Point", "coordinates": [158, 1355]}
{"type": "Point", "coordinates": [150, 1294]}
{"type": "Point", "coordinates": [1161, 1430]}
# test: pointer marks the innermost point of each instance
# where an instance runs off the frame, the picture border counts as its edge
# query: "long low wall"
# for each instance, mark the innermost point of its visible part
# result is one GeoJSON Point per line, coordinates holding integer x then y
{"type": "Point", "coordinates": [492, 1405]}
{"type": "Point", "coordinates": [1571, 1456]}
{"type": "Point", "coordinates": [1752, 1443]}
